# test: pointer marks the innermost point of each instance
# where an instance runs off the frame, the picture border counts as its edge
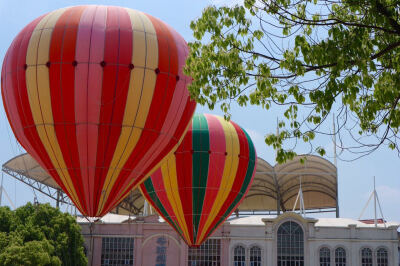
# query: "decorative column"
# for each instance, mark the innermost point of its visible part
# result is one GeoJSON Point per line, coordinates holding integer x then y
{"type": "Point", "coordinates": [225, 251]}
{"type": "Point", "coordinates": [353, 256]}
{"type": "Point", "coordinates": [269, 254]}
{"type": "Point", "coordinates": [97, 242]}
{"type": "Point", "coordinates": [183, 253]}
{"type": "Point", "coordinates": [138, 241]}
{"type": "Point", "coordinates": [225, 241]}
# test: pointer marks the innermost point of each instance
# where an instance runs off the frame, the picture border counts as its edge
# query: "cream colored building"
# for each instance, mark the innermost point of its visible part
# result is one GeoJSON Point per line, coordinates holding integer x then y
{"type": "Point", "coordinates": [331, 234]}
{"type": "Point", "coordinates": [286, 240]}
{"type": "Point", "coordinates": [130, 236]}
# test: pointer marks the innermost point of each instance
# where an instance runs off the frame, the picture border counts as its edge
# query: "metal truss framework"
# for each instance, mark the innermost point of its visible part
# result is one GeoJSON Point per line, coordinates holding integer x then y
{"type": "Point", "coordinates": [56, 194]}
{"type": "Point", "coordinates": [275, 212]}
{"type": "Point", "coordinates": [127, 205]}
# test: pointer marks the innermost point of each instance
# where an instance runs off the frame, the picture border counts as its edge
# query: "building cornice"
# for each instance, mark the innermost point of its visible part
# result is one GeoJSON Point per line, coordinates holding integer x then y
{"type": "Point", "coordinates": [288, 215]}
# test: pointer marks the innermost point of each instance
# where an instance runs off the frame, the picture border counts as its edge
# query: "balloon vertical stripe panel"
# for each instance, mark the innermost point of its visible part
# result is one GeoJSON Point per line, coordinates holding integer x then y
{"type": "Point", "coordinates": [200, 162]}
{"type": "Point", "coordinates": [64, 35]}
{"type": "Point", "coordinates": [217, 162]}
{"type": "Point", "coordinates": [96, 94]}
{"type": "Point", "coordinates": [237, 197]}
{"type": "Point", "coordinates": [200, 185]}
{"type": "Point", "coordinates": [184, 168]}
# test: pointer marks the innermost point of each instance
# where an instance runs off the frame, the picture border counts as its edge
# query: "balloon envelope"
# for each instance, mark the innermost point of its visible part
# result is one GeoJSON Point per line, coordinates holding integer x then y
{"type": "Point", "coordinates": [97, 96]}
{"type": "Point", "coordinates": [201, 184]}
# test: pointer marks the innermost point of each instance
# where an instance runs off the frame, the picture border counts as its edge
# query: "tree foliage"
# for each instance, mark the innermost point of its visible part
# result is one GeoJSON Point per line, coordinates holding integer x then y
{"type": "Point", "coordinates": [39, 235]}
{"type": "Point", "coordinates": [312, 58]}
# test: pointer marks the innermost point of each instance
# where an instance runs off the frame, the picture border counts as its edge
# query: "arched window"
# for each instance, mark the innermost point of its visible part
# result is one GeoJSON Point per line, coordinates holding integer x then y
{"type": "Point", "coordinates": [290, 244]}
{"type": "Point", "coordinates": [324, 257]}
{"type": "Point", "coordinates": [239, 256]}
{"type": "Point", "coordinates": [366, 257]}
{"type": "Point", "coordinates": [382, 257]}
{"type": "Point", "coordinates": [340, 257]}
{"type": "Point", "coordinates": [255, 256]}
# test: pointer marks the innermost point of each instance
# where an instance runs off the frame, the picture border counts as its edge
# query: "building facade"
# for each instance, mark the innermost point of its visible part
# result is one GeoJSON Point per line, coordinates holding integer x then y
{"type": "Point", "coordinates": [284, 240]}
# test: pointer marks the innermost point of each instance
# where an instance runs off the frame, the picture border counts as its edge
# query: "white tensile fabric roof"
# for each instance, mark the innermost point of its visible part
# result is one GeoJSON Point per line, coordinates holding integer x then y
{"type": "Point", "coordinates": [318, 180]}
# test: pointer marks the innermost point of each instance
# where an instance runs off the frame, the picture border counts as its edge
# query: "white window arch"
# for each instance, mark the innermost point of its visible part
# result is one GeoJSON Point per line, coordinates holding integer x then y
{"type": "Point", "coordinates": [290, 244]}
{"type": "Point", "coordinates": [324, 256]}
{"type": "Point", "coordinates": [340, 256]}
{"type": "Point", "coordinates": [255, 256]}
{"type": "Point", "coordinates": [382, 257]}
{"type": "Point", "coordinates": [239, 256]}
{"type": "Point", "coordinates": [366, 257]}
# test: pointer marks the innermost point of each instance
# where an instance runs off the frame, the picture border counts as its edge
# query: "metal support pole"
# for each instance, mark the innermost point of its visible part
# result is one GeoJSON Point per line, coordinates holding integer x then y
{"type": "Point", "coordinates": [295, 203]}
{"type": "Point", "coordinates": [366, 205]}
{"type": "Point", "coordinates": [91, 243]}
{"type": "Point", "coordinates": [380, 209]}
{"type": "Point", "coordinates": [58, 199]}
{"type": "Point", "coordinates": [9, 199]}
{"type": "Point", "coordinates": [277, 135]}
{"type": "Point", "coordinates": [335, 162]}
{"type": "Point", "coordinates": [374, 196]}
{"type": "Point", "coordinates": [334, 142]}
{"type": "Point", "coordinates": [145, 209]}
{"type": "Point", "coordinates": [278, 198]}
{"type": "Point", "coordinates": [375, 220]}
{"type": "Point", "coordinates": [302, 204]}
{"type": "Point", "coordinates": [301, 199]}
{"type": "Point", "coordinates": [278, 204]}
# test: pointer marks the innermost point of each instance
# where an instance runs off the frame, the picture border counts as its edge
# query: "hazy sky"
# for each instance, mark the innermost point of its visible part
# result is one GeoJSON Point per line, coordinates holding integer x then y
{"type": "Point", "coordinates": [355, 178]}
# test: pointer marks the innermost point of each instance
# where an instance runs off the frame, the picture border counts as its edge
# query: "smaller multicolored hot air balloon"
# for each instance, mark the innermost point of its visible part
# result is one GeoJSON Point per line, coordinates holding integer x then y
{"type": "Point", "coordinates": [203, 182]}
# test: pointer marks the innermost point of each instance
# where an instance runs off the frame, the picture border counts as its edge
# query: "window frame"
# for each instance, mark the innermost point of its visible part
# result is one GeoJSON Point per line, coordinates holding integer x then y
{"type": "Point", "coordinates": [345, 256]}
{"type": "Point", "coordinates": [261, 254]}
{"type": "Point", "coordinates": [362, 263]}
{"type": "Point", "coordinates": [377, 256]}
{"type": "Point", "coordinates": [196, 255]}
{"type": "Point", "coordinates": [243, 255]}
{"type": "Point", "coordinates": [329, 261]}
{"type": "Point", "coordinates": [120, 246]}
{"type": "Point", "coordinates": [302, 259]}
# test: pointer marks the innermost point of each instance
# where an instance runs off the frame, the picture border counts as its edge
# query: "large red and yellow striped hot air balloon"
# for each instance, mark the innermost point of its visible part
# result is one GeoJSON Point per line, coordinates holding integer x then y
{"type": "Point", "coordinates": [200, 185]}
{"type": "Point", "coordinates": [96, 94]}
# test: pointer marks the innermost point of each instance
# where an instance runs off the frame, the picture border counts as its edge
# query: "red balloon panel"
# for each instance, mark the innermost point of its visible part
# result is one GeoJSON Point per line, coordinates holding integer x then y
{"type": "Point", "coordinates": [97, 96]}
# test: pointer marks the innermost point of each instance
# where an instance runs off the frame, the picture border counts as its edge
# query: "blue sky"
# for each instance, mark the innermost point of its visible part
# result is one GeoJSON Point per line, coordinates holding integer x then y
{"type": "Point", "coordinates": [355, 178]}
